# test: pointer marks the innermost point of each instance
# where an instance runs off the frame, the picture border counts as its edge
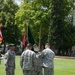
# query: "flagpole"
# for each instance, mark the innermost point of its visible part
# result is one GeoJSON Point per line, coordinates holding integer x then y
{"type": "Point", "coordinates": [27, 31]}
{"type": "Point", "coordinates": [40, 38]}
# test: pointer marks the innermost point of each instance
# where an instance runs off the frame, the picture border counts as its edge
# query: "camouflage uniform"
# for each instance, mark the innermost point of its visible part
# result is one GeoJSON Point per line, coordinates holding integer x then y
{"type": "Point", "coordinates": [38, 61]}
{"type": "Point", "coordinates": [38, 66]}
{"type": "Point", "coordinates": [47, 57]}
{"type": "Point", "coordinates": [10, 62]}
{"type": "Point", "coordinates": [28, 62]}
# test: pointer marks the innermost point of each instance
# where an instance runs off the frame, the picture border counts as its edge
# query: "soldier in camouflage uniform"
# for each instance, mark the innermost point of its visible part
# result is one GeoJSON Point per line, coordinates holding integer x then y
{"type": "Point", "coordinates": [10, 60]}
{"type": "Point", "coordinates": [38, 61]}
{"type": "Point", "coordinates": [47, 57]}
{"type": "Point", "coordinates": [28, 61]}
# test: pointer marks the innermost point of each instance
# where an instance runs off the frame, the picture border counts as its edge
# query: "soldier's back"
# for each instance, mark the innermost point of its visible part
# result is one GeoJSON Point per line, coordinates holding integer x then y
{"type": "Point", "coordinates": [28, 60]}
{"type": "Point", "coordinates": [47, 60]}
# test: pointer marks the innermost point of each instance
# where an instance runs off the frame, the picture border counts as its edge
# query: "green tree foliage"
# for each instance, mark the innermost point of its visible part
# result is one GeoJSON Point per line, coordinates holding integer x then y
{"type": "Point", "coordinates": [11, 33]}
{"type": "Point", "coordinates": [37, 12]}
{"type": "Point", "coordinates": [52, 17]}
{"type": "Point", "coordinates": [61, 28]}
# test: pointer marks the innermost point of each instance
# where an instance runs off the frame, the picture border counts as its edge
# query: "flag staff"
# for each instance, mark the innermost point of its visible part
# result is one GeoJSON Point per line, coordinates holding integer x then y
{"type": "Point", "coordinates": [27, 22]}
{"type": "Point", "coordinates": [40, 37]}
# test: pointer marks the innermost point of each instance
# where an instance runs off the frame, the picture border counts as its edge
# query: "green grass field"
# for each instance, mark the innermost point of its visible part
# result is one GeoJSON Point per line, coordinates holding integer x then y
{"type": "Point", "coordinates": [61, 67]}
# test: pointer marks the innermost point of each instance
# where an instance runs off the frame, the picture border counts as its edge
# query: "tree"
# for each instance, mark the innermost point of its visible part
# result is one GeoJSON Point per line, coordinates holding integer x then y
{"type": "Point", "coordinates": [37, 12]}
{"type": "Point", "coordinates": [49, 17]}
{"type": "Point", "coordinates": [60, 28]}
{"type": "Point", "coordinates": [7, 15]}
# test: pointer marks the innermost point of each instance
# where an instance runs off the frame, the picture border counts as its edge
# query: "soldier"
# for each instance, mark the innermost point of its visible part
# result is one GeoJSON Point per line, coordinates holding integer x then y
{"type": "Point", "coordinates": [28, 61]}
{"type": "Point", "coordinates": [10, 60]}
{"type": "Point", "coordinates": [36, 50]}
{"type": "Point", "coordinates": [47, 57]}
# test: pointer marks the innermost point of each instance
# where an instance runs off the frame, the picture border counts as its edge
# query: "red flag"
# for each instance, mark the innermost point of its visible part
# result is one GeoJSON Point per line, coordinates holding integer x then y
{"type": "Point", "coordinates": [1, 37]}
{"type": "Point", "coordinates": [24, 39]}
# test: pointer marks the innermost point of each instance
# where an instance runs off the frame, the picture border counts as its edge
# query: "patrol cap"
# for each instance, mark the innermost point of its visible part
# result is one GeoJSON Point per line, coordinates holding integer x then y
{"type": "Point", "coordinates": [11, 45]}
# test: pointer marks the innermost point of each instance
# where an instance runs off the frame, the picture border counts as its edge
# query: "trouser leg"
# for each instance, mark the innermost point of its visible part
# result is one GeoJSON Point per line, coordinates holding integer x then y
{"type": "Point", "coordinates": [40, 71]}
{"type": "Point", "coordinates": [28, 72]}
{"type": "Point", "coordinates": [10, 71]}
{"type": "Point", "coordinates": [51, 72]}
{"type": "Point", "coordinates": [48, 71]}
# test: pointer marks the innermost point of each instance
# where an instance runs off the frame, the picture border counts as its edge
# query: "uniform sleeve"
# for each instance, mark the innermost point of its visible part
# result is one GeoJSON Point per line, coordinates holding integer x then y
{"type": "Point", "coordinates": [6, 59]}
{"type": "Point", "coordinates": [21, 60]}
{"type": "Point", "coordinates": [41, 55]}
{"type": "Point", "coordinates": [34, 61]}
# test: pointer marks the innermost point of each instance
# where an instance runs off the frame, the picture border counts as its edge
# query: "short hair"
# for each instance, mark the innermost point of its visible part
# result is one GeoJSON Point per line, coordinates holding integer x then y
{"type": "Point", "coordinates": [47, 44]}
{"type": "Point", "coordinates": [29, 45]}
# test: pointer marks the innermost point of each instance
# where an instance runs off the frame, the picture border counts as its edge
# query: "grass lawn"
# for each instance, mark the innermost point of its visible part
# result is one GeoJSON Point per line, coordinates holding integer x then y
{"type": "Point", "coordinates": [62, 67]}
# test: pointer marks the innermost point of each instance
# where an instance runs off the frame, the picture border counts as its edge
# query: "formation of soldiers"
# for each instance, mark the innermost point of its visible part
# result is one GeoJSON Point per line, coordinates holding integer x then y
{"type": "Point", "coordinates": [31, 62]}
